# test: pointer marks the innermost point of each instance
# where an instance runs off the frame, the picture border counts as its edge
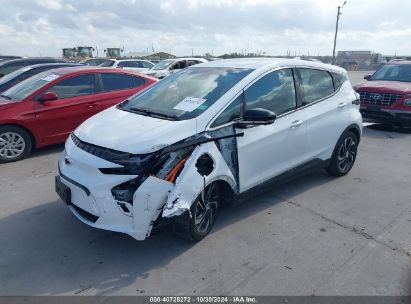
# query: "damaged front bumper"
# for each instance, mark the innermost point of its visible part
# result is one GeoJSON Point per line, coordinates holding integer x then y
{"type": "Point", "coordinates": [88, 191]}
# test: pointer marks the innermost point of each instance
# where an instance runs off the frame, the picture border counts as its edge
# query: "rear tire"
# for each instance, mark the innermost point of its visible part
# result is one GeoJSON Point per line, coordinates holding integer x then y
{"type": "Point", "coordinates": [15, 144]}
{"type": "Point", "coordinates": [197, 223]}
{"type": "Point", "coordinates": [344, 155]}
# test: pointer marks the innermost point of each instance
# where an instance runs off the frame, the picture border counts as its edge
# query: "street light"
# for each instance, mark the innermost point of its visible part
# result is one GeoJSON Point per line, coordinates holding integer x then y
{"type": "Point", "coordinates": [336, 28]}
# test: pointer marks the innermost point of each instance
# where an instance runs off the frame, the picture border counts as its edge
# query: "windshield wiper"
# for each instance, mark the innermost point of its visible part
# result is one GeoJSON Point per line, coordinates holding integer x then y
{"type": "Point", "coordinates": [154, 114]}
{"type": "Point", "coordinates": [5, 97]}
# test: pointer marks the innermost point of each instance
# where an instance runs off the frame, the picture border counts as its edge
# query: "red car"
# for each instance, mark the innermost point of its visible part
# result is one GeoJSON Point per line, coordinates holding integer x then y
{"type": "Point", "coordinates": [386, 96]}
{"type": "Point", "coordinates": [45, 108]}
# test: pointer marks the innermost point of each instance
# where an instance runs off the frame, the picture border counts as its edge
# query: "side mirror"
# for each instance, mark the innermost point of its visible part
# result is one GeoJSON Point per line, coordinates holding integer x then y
{"type": "Point", "coordinates": [48, 96]}
{"type": "Point", "coordinates": [367, 77]}
{"type": "Point", "coordinates": [257, 117]}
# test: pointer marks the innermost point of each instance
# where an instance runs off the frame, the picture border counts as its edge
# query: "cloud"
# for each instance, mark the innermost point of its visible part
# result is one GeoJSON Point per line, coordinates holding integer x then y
{"type": "Point", "coordinates": [218, 26]}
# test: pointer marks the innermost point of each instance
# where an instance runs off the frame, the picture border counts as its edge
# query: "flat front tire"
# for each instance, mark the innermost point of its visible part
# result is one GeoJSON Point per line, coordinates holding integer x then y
{"type": "Point", "coordinates": [344, 155]}
{"type": "Point", "coordinates": [197, 223]}
{"type": "Point", "coordinates": [15, 144]}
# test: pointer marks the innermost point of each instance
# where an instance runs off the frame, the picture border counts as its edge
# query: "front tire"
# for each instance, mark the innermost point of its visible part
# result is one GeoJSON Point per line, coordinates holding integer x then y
{"type": "Point", "coordinates": [15, 144]}
{"type": "Point", "coordinates": [197, 223]}
{"type": "Point", "coordinates": [344, 156]}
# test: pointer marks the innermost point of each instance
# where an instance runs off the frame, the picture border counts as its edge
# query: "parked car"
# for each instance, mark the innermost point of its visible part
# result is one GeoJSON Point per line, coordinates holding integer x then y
{"type": "Point", "coordinates": [45, 108]}
{"type": "Point", "coordinates": [9, 66]}
{"type": "Point", "coordinates": [19, 75]}
{"type": "Point", "coordinates": [138, 65]}
{"type": "Point", "coordinates": [179, 150]}
{"type": "Point", "coordinates": [94, 61]}
{"type": "Point", "coordinates": [170, 66]}
{"type": "Point", "coordinates": [8, 57]}
{"type": "Point", "coordinates": [386, 96]}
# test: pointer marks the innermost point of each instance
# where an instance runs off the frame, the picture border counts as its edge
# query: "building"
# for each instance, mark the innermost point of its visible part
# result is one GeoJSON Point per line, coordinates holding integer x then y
{"type": "Point", "coordinates": [359, 60]}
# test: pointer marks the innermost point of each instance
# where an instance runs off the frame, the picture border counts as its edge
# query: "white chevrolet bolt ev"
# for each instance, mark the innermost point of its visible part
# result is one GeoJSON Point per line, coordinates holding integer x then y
{"type": "Point", "coordinates": [174, 153]}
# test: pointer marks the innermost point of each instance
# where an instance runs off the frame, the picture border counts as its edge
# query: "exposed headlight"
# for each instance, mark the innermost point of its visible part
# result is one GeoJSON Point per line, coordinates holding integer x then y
{"type": "Point", "coordinates": [130, 166]}
{"type": "Point", "coordinates": [407, 101]}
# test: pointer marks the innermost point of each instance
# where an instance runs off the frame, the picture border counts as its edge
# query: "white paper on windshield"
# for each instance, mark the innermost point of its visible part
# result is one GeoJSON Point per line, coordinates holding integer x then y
{"type": "Point", "coordinates": [50, 77]}
{"type": "Point", "coordinates": [189, 104]}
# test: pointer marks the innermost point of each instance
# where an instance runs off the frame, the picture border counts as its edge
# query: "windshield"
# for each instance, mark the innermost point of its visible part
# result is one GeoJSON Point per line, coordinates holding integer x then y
{"type": "Point", "coordinates": [393, 72]}
{"type": "Point", "coordinates": [13, 75]}
{"type": "Point", "coordinates": [29, 86]}
{"type": "Point", "coordinates": [107, 63]}
{"type": "Point", "coordinates": [162, 65]}
{"type": "Point", "coordinates": [186, 94]}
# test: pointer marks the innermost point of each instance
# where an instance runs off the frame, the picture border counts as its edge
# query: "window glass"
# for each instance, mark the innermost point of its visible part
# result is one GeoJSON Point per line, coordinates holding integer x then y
{"type": "Point", "coordinates": [232, 112]}
{"type": "Point", "coordinates": [138, 81]}
{"type": "Point", "coordinates": [339, 79]}
{"type": "Point", "coordinates": [393, 72]}
{"type": "Point", "coordinates": [107, 63]}
{"type": "Point", "coordinates": [163, 64]}
{"type": "Point", "coordinates": [32, 72]}
{"type": "Point", "coordinates": [128, 64]}
{"type": "Point", "coordinates": [147, 65]}
{"type": "Point", "coordinates": [74, 86]}
{"type": "Point", "coordinates": [11, 67]}
{"type": "Point", "coordinates": [186, 94]}
{"type": "Point", "coordinates": [316, 85]}
{"type": "Point", "coordinates": [113, 81]}
{"type": "Point", "coordinates": [274, 92]}
{"type": "Point", "coordinates": [30, 85]}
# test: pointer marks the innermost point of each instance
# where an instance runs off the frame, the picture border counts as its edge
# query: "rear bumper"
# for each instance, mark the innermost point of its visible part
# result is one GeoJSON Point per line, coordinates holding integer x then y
{"type": "Point", "coordinates": [387, 115]}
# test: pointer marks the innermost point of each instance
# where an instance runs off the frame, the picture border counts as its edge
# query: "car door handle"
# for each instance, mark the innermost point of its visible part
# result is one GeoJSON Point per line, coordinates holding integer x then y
{"type": "Point", "coordinates": [342, 104]}
{"type": "Point", "coordinates": [296, 123]}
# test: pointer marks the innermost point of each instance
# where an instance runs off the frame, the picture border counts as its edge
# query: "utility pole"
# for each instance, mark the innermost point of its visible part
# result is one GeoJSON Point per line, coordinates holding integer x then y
{"type": "Point", "coordinates": [336, 29]}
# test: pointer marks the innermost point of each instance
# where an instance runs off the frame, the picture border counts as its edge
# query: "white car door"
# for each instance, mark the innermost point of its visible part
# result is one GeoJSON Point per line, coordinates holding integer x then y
{"type": "Point", "coordinates": [325, 110]}
{"type": "Point", "coordinates": [269, 150]}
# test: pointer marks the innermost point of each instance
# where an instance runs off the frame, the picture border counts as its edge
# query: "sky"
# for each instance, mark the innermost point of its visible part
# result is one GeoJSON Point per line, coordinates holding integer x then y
{"type": "Point", "coordinates": [183, 27]}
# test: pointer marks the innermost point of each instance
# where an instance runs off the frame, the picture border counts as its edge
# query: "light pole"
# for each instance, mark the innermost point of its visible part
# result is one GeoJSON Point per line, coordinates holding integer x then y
{"type": "Point", "coordinates": [336, 29]}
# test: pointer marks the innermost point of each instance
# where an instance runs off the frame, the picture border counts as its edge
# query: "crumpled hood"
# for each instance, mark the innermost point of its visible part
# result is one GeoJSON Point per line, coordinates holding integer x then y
{"type": "Point", "coordinates": [6, 103]}
{"type": "Point", "coordinates": [397, 86]}
{"type": "Point", "coordinates": [133, 133]}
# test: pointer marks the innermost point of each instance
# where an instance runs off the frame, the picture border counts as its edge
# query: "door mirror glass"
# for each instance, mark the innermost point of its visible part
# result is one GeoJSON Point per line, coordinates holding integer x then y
{"type": "Point", "coordinates": [48, 96]}
{"type": "Point", "coordinates": [367, 77]}
{"type": "Point", "coordinates": [257, 117]}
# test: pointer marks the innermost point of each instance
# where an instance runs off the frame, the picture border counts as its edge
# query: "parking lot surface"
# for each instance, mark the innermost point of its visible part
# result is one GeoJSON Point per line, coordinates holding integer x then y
{"type": "Point", "coordinates": [314, 235]}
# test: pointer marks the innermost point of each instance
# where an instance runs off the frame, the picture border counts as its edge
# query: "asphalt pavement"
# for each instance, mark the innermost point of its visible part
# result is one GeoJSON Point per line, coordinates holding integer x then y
{"type": "Point", "coordinates": [315, 235]}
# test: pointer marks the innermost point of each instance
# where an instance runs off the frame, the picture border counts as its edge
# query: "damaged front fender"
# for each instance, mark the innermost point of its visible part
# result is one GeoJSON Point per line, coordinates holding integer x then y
{"type": "Point", "coordinates": [190, 183]}
{"type": "Point", "coordinates": [147, 203]}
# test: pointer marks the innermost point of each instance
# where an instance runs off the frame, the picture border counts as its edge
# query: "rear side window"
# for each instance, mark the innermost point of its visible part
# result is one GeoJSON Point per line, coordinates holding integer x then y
{"type": "Point", "coordinates": [138, 81]}
{"type": "Point", "coordinates": [316, 85]}
{"type": "Point", "coordinates": [113, 81]}
{"type": "Point", "coordinates": [131, 64]}
{"type": "Point", "coordinates": [75, 86]}
{"type": "Point", "coordinates": [339, 79]}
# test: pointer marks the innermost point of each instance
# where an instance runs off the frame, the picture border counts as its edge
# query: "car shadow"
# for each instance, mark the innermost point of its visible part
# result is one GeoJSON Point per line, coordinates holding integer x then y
{"type": "Point", "coordinates": [49, 251]}
{"type": "Point", "coordinates": [398, 130]}
{"type": "Point", "coordinates": [46, 151]}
